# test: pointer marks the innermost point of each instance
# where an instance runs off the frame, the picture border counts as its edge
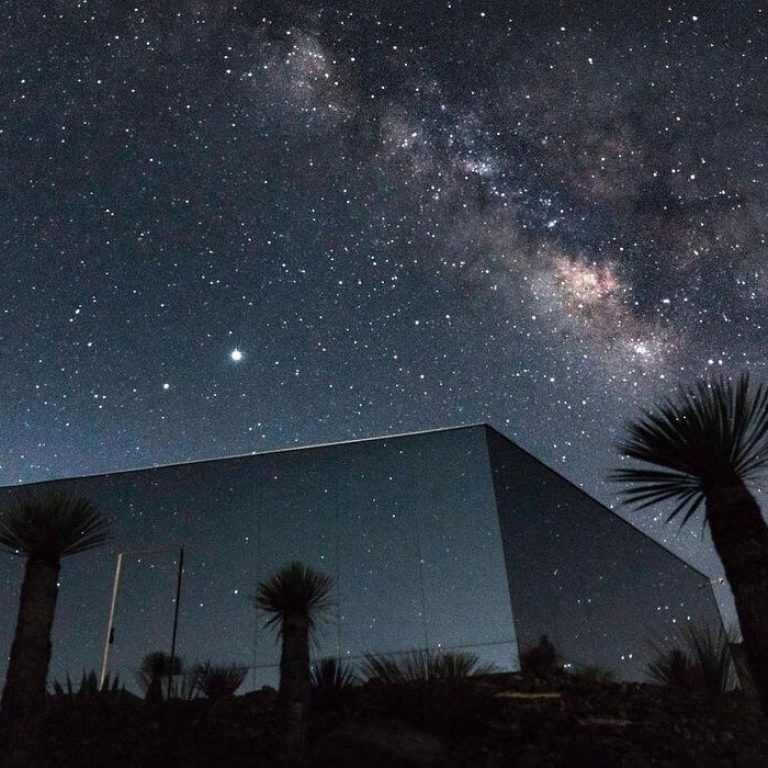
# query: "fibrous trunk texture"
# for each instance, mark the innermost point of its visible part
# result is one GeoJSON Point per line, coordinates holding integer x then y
{"type": "Point", "coordinates": [24, 692]}
{"type": "Point", "coordinates": [295, 686]}
{"type": "Point", "coordinates": [740, 536]}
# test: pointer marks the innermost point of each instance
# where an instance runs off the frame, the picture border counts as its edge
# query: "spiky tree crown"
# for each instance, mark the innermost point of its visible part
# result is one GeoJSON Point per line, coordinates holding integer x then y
{"type": "Point", "coordinates": [294, 590]}
{"type": "Point", "coordinates": [52, 527]}
{"type": "Point", "coordinates": [714, 434]}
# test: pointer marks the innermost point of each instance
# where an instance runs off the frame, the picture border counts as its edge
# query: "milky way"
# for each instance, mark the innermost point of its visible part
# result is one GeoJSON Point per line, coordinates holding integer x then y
{"type": "Point", "coordinates": [236, 227]}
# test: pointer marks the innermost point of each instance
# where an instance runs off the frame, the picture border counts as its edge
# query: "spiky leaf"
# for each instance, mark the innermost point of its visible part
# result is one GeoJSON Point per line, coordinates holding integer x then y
{"type": "Point", "coordinates": [418, 665]}
{"type": "Point", "coordinates": [294, 590]}
{"type": "Point", "coordinates": [219, 681]}
{"type": "Point", "coordinates": [712, 434]}
{"type": "Point", "coordinates": [329, 674]}
{"type": "Point", "coordinates": [52, 527]}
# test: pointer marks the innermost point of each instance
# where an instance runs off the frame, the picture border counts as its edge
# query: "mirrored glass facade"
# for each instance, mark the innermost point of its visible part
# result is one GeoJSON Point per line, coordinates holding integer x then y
{"type": "Point", "coordinates": [452, 539]}
{"type": "Point", "coordinates": [603, 592]}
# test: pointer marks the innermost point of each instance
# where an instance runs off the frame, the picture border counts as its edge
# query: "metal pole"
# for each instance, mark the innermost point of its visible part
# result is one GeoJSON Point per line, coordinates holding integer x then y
{"type": "Point", "coordinates": [110, 637]}
{"type": "Point", "coordinates": [175, 620]}
{"type": "Point", "coordinates": [115, 587]}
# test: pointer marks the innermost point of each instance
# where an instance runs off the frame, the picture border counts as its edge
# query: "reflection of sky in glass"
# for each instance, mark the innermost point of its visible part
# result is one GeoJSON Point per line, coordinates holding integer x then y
{"type": "Point", "coordinates": [407, 527]}
{"type": "Point", "coordinates": [602, 591]}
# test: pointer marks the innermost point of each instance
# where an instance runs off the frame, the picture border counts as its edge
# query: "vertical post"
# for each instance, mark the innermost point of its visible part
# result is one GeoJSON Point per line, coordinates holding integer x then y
{"type": "Point", "coordinates": [175, 620]}
{"type": "Point", "coordinates": [338, 588]}
{"type": "Point", "coordinates": [110, 635]}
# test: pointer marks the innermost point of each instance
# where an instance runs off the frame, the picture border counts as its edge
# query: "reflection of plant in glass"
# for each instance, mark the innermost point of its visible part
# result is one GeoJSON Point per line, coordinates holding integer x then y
{"type": "Point", "coordinates": [594, 673]}
{"type": "Point", "coordinates": [154, 672]}
{"type": "Point", "coordinates": [420, 665]}
{"type": "Point", "coordinates": [331, 680]}
{"type": "Point", "coordinates": [330, 674]}
{"type": "Point", "coordinates": [218, 681]}
{"type": "Point", "coordinates": [44, 530]}
{"type": "Point", "coordinates": [434, 691]}
{"type": "Point", "coordinates": [541, 660]}
{"type": "Point", "coordinates": [296, 598]}
{"type": "Point", "coordinates": [707, 445]}
{"type": "Point", "coordinates": [699, 665]}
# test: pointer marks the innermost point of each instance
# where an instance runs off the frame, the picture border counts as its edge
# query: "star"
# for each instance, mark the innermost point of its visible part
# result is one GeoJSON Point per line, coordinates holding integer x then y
{"type": "Point", "coordinates": [235, 355]}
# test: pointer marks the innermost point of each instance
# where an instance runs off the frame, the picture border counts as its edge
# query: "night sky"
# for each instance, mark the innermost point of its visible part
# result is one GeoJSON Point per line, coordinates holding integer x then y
{"type": "Point", "coordinates": [234, 227]}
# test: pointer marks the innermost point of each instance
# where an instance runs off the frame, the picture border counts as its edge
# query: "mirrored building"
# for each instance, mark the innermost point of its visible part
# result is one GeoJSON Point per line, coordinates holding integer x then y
{"type": "Point", "coordinates": [450, 539]}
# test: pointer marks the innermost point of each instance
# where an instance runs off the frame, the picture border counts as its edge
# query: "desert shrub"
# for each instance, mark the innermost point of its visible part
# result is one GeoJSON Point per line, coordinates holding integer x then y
{"type": "Point", "coordinates": [421, 665]}
{"type": "Point", "coordinates": [186, 685]}
{"type": "Point", "coordinates": [81, 714]}
{"type": "Point", "coordinates": [89, 686]}
{"type": "Point", "coordinates": [331, 674]}
{"type": "Point", "coordinates": [453, 665]}
{"type": "Point", "coordinates": [153, 674]}
{"type": "Point", "coordinates": [436, 692]}
{"type": "Point", "coordinates": [218, 681]}
{"type": "Point", "coordinates": [541, 660]}
{"type": "Point", "coordinates": [699, 665]}
{"type": "Point", "coordinates": [594, 673]}
{"type": "Point", "coordinates": [331, 680]}
{"type": "Point", "coordinates": [388, 668]}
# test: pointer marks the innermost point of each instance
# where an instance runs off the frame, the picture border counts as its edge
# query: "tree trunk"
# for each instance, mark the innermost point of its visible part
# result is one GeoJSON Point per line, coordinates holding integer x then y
{"type": "Point", "coordinates": [740, 536]}
{"type": "Point", "coordinates": [154, 694]}
{"type": "Point", "coordinates": [294, 693]}
{"type": "Point", "coordinates": [24, 692]}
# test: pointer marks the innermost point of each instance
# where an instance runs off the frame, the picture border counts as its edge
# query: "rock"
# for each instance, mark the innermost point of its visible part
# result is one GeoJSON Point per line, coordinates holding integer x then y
{"type": "Point", "coordinates": [379, 744]}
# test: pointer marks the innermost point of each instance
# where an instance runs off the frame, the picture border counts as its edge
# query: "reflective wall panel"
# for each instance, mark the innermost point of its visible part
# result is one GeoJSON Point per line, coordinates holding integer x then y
{"type": "Point", "coordinates": [602, 591]}
{"type": "Point", "coordinates": [406, 526]}
{"type": "Point", "coordinates": [453, 539]}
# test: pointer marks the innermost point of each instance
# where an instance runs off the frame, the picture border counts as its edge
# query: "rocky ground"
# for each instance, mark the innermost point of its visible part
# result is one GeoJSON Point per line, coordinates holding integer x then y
{"type": "Point", "coordinates": [483, 723]}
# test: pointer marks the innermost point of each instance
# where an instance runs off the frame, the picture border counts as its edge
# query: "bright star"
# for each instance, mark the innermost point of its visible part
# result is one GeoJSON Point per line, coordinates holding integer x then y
{"type": "Point", "coordinates": [236, 355]}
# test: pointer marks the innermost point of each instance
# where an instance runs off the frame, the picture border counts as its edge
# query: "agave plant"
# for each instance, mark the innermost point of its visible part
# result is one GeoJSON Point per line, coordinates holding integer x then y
{"type": "Point", "coordinates": [699, 664]}
{"type": "Point", "coordinates": [43, 530]}
{"type": "Point", "coordinates": [707, 446]}
{"type": "Point", "coordinates": [89, 686]}
{"type": "Point", "coordinates": [218, 681]}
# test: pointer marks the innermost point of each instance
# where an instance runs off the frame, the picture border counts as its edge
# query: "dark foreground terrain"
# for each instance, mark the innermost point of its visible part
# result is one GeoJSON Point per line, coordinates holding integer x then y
{"type": "Point", "coordinates": [482, 723]}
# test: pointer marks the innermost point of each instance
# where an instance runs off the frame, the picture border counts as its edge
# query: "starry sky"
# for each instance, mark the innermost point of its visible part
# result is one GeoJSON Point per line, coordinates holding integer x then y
{"type": "Point", "coordinates": [229, 227]}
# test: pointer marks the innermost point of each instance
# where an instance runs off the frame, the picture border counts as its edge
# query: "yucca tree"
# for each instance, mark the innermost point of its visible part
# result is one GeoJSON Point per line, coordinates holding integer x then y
{"type": "Point", "coordinates": [296, 598]}
{"type": "Point", "coordinates": [707, 445]}
{"type": "Point", "coordinates": [43, 530]}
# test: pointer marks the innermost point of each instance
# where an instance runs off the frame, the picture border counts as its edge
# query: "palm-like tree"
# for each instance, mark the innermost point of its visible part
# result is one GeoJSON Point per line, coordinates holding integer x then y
{"type": "Point", "coordinates": [296, 598]}
{"type": "Point", "coordinates": [708, 444]}
{"type": "Point", "coordinates": [43, 530]}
